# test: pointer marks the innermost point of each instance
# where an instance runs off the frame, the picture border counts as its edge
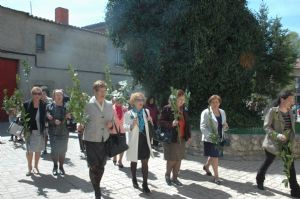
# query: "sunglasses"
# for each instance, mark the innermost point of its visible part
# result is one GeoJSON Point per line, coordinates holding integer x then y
{"type": "Point", "coordinates": [37, 94]}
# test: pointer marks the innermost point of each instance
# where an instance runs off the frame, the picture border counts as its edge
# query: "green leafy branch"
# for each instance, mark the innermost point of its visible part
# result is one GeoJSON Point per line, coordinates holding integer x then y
{"type": "Point", "coordinates": [26, 69]}
{"type": "Point", "coordinates": [78, 99]}
{"type": "Point", "coordinates": [285, 153]}
{"type": "Point", "coordinates": [214, 136]}
{"type": "Point", "coordinates": [15, 103]}
{"type": "Point", "coordinates": [174, 107]}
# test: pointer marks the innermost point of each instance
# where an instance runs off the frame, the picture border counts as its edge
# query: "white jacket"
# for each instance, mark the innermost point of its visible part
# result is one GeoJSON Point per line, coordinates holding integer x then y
{"type": "Point", "coordinates": [204, 124]}
{"type": "Point", "coordinates": [133, 135]}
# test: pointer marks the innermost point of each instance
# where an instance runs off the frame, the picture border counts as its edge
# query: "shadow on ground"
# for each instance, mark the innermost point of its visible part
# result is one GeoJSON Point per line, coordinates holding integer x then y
{"type": "Point", "coordinates": [60, 184]}
{"type": "Point", "coordinates": [242, 188]}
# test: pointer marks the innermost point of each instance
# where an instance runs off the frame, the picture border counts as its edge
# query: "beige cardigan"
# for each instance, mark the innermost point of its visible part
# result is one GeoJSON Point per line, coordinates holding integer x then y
{"type": "Point", "coordinates": [275, 122]}
{"type": "Point", "coordinates": [95, 129]}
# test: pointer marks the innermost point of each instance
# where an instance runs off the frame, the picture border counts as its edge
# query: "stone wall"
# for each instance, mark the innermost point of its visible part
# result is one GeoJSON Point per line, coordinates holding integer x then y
{"type": "Point", "coordinates": [241, 145]}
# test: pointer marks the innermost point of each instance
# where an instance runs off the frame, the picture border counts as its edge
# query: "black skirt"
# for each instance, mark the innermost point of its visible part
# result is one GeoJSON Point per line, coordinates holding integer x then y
{"type": "Point", "coordinates": [95, 153]}
{"type": "Point", "coordinates": [211, 150]}
{"type": "Point", "coordinates": [143, 149]}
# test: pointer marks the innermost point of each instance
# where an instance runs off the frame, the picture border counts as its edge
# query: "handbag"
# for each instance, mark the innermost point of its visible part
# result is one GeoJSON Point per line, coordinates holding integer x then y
{"type": "Point", "coordinates": [15, 128]}
{"type": "Point", "coordinates": [115, 144]}
{"type": "Point", "coordinates": [166, 135]}
{"type": "Point", "coordinates": [71, 125]}
{"type": "Point", "coordinates": [226, 141]}
{"type": "Point", "coordinates": [150, 126]}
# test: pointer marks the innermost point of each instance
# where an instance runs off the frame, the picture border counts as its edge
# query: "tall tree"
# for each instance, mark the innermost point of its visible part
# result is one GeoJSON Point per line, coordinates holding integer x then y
{"type": "Point", "coordinates": [209, 47]}
{"type": "Point", "coordinates": [294, 38]}
{"type": "Point", "coordinates": [276, 63]}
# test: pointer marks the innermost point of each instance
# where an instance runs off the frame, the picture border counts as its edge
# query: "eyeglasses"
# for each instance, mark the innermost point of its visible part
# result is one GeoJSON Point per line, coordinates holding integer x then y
{"type": "Point", "coordinates": [37, 94]}
{"type": "Point", "coordinates": [139, 100]}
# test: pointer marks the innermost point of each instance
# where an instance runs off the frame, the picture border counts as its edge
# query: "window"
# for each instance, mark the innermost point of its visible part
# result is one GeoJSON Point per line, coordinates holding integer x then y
{"type": "Point", "coordinates": [119, 58]}
{"type": "Point", "coordinates": [40, 42]}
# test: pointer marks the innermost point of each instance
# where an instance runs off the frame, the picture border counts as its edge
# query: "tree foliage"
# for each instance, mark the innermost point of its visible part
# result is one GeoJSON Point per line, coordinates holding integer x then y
{"type": "Point", "coordinates": [207, 47]}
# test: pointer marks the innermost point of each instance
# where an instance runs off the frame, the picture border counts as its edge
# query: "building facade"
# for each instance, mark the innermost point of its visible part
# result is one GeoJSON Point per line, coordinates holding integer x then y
{"type": "Point", "coordinates": [49, 47]}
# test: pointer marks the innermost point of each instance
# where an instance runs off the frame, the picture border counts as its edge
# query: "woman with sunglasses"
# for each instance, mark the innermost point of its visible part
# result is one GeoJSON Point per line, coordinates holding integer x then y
{"type": "Point", "coordinates": [136, 124]}
{"type": "Point", "coordinates": [35, 111]}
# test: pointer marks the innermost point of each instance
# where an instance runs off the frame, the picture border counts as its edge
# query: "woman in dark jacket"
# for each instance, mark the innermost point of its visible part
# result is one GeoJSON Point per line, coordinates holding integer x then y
{"type": "Point", "coordinates": [59, 135]}
{"type": "Point", "coordinates": [36, 115]}
{"type": "Point", "coordinates": [174, 152]}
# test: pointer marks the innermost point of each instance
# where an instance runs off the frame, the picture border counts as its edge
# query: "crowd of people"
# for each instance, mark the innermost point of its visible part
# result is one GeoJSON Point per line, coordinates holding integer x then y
{"type": "Point", "coordinates": [48, 118]}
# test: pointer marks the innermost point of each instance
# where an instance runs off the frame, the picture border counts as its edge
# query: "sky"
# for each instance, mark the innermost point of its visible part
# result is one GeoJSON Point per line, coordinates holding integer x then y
{"type": "Point", "coordinates": [86, 12]}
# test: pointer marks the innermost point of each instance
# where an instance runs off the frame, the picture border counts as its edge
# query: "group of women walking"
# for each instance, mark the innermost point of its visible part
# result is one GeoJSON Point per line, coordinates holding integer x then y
{"type": "Point", "coordinates": [53, 114]}
{"type": "Point", "coordinates": [106, 118]}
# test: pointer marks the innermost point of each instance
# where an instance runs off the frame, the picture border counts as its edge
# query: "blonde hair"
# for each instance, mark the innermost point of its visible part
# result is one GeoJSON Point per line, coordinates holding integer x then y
{"type": "Point", "coordinates": [213, 97]}
{"type": "Point", "coordinates": [36, 88]}
{"type": "Point", "coordinates": [57, 91]}
{"type": "Point", "coordinates": [134, 96]}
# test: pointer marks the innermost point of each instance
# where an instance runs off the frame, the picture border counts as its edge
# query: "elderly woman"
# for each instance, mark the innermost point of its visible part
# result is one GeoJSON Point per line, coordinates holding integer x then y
{"type": "Point", "coordinates": [136, 124]}
{"type": "Point", "coordinates": [119, 110]}
{"type": "Point", "coordinates": [58, 132]}
{"type": "Point", "coordinates": [174, 152]}
{"type": "Point", "coordinates": [279, 125]}
{"type": "Point", "coordinates": [213, 121]}
{"type": "Point", "coordinates": [35, 111]}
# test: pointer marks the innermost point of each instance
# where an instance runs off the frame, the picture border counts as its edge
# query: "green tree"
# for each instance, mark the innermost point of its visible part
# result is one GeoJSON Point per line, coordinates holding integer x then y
{"type": "Point", "coordinates": [294, 38]}
{"type": "Point", "coordinates": [275, 65]}
{"type": "Point", "coordinates": [208, 47]}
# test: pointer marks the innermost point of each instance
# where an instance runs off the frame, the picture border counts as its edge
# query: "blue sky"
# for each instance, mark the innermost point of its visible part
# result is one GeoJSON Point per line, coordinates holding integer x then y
{"type": "Point", "coordinates": [85, 12]}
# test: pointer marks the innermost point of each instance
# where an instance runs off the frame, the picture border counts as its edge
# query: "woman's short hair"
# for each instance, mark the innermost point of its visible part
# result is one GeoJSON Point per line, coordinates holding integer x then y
{"type": "Point", "coordinates": [99, 84]}
{"type": "Point", "coordinates": [213, 97]}
{"type": "Point", "coordinates": [134, 96]}
{"type": "Point", "coordinates": [36, 89]}
{"type": "Point", "coordinates": [61, 91]}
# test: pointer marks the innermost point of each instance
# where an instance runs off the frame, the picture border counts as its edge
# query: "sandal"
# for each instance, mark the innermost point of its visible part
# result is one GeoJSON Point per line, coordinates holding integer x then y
{"type": "Point", "coordinates": [217, 181]}
{"type": "Point", "coordinates": [29, 173]}
{"type": "Point", "coordinates": [36, 170]}
{"type": "Point", "coordinates": [207, 171]}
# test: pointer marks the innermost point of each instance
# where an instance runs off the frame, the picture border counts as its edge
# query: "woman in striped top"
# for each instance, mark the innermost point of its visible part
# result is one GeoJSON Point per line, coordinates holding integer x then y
{"type": "Point", "coordinates": [279, 125]}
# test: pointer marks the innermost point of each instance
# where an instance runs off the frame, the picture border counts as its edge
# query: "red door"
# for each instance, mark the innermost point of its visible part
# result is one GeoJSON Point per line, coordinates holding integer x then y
{"type": "Point", "coordinates": [8, 71]}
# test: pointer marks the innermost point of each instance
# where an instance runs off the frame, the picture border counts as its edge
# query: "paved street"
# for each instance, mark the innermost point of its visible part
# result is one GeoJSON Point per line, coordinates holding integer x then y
{"type": "Point", "coordinates": [238, 177]}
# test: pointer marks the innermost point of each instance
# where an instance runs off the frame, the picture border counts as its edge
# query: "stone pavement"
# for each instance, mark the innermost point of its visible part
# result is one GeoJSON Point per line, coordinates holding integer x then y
{"type": "Point", "coordinates": [238, 177]}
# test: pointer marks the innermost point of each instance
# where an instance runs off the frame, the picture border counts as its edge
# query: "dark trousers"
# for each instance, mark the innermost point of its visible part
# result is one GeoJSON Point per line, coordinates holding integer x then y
{"type": "Point", "coordinates": [96, 158]}
{"type": "Point", "coordinates": [81, 142]}
{"type": "Point", "coordinates": [260, 178]}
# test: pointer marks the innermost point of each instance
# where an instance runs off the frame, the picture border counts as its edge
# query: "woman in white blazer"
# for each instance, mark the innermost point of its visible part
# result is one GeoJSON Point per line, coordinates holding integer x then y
{"type": "Point", "coordinates": [136, 126]}
{"type": "Point", "coordinates": [213, 120]}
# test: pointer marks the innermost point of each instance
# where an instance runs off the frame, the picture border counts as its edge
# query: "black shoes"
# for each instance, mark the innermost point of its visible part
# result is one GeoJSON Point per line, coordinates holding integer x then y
{"type": "Point", "coordinates": [54, 171]}
{"type": "Point", "coordinates": [146, 188]}
{"type": "Point", "coordinates": [260, 183]}
{"type": "Point", "coordinates": [177, 182]}
{"type": "Point", "coordinates": [260, 186]}
{"type": "Point", "coordinates": [207, 171]}
{"type": "Point", "coordinates": [61, 171]}
{"type": "Point", "coordinates": [168, 180]}
{"type": "Point", "coordinates": [135, 184]}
